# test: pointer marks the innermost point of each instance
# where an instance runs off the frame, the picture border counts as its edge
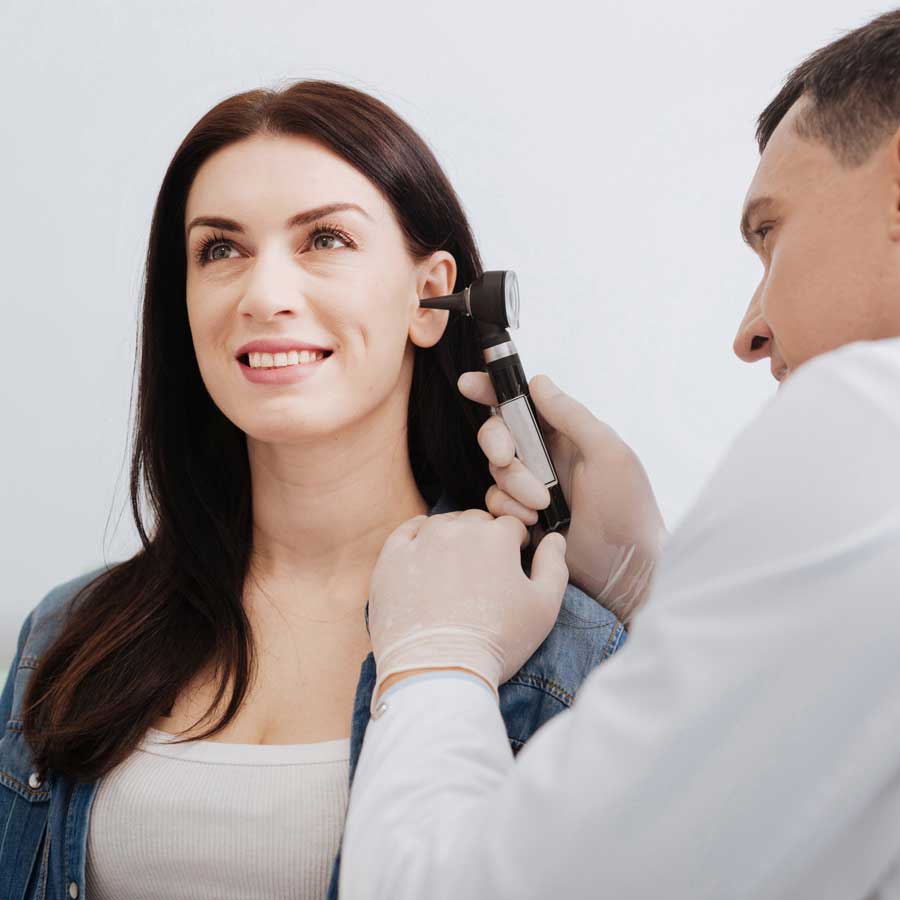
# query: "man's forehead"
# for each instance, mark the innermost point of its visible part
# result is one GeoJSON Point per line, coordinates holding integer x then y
{"type": "Point", "coordinates": [789, 163]}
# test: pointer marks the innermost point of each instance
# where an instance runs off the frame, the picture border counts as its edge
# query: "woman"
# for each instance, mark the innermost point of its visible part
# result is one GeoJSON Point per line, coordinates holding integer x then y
{"type": "Point", "coordinates": [186, 723]}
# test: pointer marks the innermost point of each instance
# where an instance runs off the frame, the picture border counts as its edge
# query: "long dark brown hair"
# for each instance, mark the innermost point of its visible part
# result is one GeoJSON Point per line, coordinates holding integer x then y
{"type": "Point", "coordinates": [138, 632]}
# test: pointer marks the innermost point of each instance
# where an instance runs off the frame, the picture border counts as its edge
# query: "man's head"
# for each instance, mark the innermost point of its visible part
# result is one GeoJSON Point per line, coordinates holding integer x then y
{"type": "Point", "coordinates": [823, 209]}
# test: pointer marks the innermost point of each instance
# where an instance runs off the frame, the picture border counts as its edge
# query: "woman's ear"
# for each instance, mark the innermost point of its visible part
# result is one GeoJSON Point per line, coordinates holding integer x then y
{"type": "Point", "coordinates": [436, 278]}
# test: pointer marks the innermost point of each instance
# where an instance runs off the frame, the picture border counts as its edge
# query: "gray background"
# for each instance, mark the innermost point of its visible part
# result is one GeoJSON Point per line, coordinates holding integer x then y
{"type": "Point", "coordinates": [602, 150]}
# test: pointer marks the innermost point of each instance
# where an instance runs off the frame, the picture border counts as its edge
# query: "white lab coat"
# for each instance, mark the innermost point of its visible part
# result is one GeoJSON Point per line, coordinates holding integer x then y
{"type": "Point", "coordinates": [745, 743]}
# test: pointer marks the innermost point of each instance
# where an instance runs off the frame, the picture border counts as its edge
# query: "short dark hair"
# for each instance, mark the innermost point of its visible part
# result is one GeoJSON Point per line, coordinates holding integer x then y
{"type": "Point", "coordinates": [854, 86]}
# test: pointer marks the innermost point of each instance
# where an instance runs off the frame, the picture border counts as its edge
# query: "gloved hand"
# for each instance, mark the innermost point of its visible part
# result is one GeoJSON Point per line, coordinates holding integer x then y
{"type": "Point", "coordinates": [448, 591]}
{"type": "Point", "coordinates": [616, 531]}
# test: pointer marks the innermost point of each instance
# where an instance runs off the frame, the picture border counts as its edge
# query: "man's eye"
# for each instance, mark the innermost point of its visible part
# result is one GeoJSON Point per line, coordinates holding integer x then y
{"type": "Point", "coordinates": [762, 232]}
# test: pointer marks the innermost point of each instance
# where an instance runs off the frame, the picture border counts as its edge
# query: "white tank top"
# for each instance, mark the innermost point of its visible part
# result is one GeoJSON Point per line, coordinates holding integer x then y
{"type": "Point", "coordinates": [207, 819]}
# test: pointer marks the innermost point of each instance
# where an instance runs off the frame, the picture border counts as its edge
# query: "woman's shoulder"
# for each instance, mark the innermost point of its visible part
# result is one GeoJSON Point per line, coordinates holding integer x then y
{"type": "Point", "coordinates": [578, 608]}
{"type": "Point", "coordinates": [37, 632]}
{"type": "Point", "coordinates": [585, 634]}
{"type": "Point", "coordinates": [44, 621]}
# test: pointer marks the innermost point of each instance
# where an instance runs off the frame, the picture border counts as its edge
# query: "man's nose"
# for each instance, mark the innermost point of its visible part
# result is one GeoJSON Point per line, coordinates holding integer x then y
{"type": "Point", "coordinates": [754, 337]}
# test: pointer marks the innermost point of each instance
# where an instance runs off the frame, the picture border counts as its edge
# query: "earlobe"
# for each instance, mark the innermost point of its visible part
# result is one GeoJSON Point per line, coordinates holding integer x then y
{"type": "Point", "coordinates": [428, 326]}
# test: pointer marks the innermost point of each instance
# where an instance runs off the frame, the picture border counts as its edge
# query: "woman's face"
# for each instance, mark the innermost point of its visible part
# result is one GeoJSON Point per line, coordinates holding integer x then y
{"type": "Point", "coordinates": [312, 255]}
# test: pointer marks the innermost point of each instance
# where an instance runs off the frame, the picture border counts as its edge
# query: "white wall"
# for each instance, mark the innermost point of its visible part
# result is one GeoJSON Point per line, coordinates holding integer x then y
{"type": "Point", "coordinates": [602, 150]}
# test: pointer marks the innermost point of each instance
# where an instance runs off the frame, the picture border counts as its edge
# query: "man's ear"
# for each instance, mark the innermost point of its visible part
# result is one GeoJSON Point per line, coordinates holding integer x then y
{"type": "Point", "coordinates": [894, 165]}
{"type": "Point", "coordinates": [436, 278]}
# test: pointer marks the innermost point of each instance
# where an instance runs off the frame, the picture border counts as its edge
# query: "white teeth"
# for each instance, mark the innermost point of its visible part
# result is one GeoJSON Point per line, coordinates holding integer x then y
{"type": "Point", "coordinates": [290, 358]}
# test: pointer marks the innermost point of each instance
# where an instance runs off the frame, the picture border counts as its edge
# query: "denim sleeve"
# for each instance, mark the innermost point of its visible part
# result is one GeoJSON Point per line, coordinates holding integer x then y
{"type": "Point", "coordinates": [7, 696]}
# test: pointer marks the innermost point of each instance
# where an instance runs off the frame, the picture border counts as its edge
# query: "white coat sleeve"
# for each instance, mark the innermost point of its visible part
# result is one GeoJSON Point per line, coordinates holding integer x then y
{"type": "Point", "coordinates": [746, 740]}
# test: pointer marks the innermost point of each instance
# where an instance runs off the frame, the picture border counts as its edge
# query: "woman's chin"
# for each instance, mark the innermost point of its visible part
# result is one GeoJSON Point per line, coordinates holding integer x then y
{"type": "Point", "coordinates": [286, 431]}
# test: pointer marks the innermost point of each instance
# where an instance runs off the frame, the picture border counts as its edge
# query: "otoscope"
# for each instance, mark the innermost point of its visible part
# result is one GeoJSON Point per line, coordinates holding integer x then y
{"type": "Point", "coordinates": [493, 302]}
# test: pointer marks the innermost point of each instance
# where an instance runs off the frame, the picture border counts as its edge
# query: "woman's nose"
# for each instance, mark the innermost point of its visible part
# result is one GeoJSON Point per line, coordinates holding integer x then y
{"type": "Point", "coordinates": [273, 287]}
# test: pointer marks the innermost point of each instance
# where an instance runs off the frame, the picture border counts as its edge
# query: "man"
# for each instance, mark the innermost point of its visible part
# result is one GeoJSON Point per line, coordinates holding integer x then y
{"type": "Point", "coordinates": [746, 741]}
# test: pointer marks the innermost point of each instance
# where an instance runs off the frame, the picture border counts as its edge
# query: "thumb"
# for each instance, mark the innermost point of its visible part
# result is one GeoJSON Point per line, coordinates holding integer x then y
{"type": "Point", "coordinates": [548, 567]}
{"type": "Point", "coordinates": [477, 386]}
{"type": "Point", "coordinates": [567, 415]}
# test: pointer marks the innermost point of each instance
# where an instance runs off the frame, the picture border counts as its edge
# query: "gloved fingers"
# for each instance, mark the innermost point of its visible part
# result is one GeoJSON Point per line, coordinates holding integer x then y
{"type": "Point", "coordinates": [516, 528]}
{"type": "Point", "coordinates": [496, 442]}
{"type": "Point", "coordinates": [472, 515]}
{"type": "Point", "coordinates": [477, 386]}
{"type": "Point", "coordinates": [519, 531]}
{"type": "Point", "coordinates": [521, 484]}
{"type": "Point", "coordinates": [405, 531]}
{"type": "Point", "coordinates": [565, 414]}
{"type": "Point", "coordinates": [499, 503]}
{"type": "Point", "coordinates": [549, 573]}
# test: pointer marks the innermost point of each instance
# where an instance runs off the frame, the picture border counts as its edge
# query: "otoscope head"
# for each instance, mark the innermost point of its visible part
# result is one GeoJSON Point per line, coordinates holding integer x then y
{"type": "Point", "coordinates": [493, 298]}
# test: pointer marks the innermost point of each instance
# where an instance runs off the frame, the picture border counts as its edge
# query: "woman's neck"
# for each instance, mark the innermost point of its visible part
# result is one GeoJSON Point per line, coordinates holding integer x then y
{"type": "Point", "coordinates": [323, 510]}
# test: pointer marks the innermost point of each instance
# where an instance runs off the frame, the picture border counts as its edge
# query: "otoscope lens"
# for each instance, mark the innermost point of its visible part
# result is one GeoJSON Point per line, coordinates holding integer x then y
{"type": "Point", "coordinates": [511, 297]}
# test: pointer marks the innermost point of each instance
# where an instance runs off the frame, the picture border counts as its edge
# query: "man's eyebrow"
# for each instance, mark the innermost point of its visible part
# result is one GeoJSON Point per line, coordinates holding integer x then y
{"type": "Point", "coordinates": [753, 207]}
{"type": "Point", "coordinates": [301, 218]}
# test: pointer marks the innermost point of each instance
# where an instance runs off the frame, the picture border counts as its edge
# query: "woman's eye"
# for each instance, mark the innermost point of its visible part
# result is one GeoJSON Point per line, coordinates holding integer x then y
{"type": "Point", "coordinates": [209, 248]}
{"type": "Point", "coordinates": [327, 240]}
{"type": "Point", "coordinates": [217, 248]}
{"type": "Point", "coordinates": [213, 251]}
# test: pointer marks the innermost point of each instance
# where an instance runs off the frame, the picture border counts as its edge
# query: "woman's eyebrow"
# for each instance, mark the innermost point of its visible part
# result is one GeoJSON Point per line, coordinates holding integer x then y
{"type": "Point", "coordinates": [302, 218]}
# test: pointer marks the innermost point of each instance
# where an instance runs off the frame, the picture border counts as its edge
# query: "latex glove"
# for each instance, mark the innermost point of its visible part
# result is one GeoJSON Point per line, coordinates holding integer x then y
{"type": "Point", "coordinates": [617, 530]}
{"type": "Point", "coordinates": [449, 591]}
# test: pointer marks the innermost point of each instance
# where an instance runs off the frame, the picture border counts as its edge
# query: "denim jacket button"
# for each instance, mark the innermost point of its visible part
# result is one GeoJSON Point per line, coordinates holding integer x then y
{"type": "Point", "coordinates": [73, 890]}
{"type": "Point", "coordinates": [380, 710]}
{"type": "Point", "coordinates": [34, 780]}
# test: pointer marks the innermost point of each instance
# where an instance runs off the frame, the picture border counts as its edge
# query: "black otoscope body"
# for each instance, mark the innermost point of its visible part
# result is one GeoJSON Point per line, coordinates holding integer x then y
{"type": "Point", "coordinates": [493, 302]}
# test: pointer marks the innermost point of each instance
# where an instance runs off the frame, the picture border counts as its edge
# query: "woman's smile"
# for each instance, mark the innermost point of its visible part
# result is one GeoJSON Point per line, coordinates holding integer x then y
{"type": "Point", "coordinates": [282, 368]}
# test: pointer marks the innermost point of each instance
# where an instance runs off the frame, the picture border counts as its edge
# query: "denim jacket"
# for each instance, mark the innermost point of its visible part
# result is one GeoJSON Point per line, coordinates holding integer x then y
{"type": "Point", "coordinates": [44, 825]}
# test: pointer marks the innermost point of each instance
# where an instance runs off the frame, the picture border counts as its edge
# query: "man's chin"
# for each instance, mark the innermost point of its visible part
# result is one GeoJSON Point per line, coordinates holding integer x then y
{"type": "Point", "coordinates": [783, 377]}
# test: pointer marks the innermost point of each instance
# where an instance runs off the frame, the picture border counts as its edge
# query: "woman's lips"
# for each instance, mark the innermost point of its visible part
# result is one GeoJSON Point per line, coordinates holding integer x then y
{"type": "Point", "coordinates": [282, 374]}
